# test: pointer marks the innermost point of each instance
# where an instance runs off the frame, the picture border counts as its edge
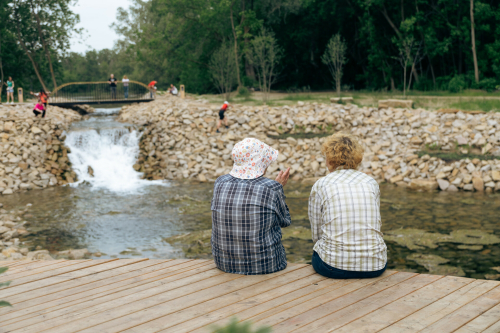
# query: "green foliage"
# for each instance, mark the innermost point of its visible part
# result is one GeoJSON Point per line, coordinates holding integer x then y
{"type": "Point", "coordinates": [4, 284]}
{"type": "Point", "coordinates": [235, 327]}
{"type": "Point", "coordinates": [244, 92]}
{"type": "Point", "coordinates": [457, 84]}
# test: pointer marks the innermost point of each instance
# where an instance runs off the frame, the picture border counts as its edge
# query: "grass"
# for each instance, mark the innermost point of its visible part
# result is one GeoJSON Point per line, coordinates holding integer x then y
{"type": "Point", "coordinates": [454, 156]}
{"type": "Point", "coordinates": [455, 153]}
{"type": "Point", "coordinates": [301, 135]}
{"type": "Point", "coordinates": [432, 100]}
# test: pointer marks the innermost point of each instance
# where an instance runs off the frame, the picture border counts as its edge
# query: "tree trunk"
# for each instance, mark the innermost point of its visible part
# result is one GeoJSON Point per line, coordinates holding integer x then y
{"type": "Point", "coordinates": [33, 62]}
{"type": "Point", "coordinates": [393, 86]}
{"type": "Point", "coordinates": [47, 51]}
{"type": "Point", "coordinates": [1, 70]}
{"type": "Point", "coordinates": [235, 48]}
{"type": "Point", "coordinates": [473, 38]}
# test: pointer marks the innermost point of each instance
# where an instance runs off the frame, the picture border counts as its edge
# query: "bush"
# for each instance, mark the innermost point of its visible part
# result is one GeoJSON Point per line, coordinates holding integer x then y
{"type": "Point", "coordinates": [244, 92]}
{"type": "Point", "coordinates": [488, 84]}
{"type": "Point", "coordinates": [457, 84]}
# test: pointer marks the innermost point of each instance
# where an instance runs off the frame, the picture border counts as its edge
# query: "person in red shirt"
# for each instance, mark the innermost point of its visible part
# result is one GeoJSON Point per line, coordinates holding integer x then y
{"type": "Point", "coordinates": [222, 116]}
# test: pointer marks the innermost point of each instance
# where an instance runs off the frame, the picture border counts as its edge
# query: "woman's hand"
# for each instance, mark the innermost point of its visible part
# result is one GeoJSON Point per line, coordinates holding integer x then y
{"type": "Point", "coordinates": [283, 177]}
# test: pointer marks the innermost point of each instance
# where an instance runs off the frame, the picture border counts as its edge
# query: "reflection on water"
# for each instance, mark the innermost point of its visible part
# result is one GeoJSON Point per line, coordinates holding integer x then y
{"type": "Point", "coordinates": [131, 225]}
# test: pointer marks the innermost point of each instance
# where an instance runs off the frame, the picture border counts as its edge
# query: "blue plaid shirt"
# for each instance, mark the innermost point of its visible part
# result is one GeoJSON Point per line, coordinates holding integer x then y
{"type": "Point", "coordinates": [247, 217]}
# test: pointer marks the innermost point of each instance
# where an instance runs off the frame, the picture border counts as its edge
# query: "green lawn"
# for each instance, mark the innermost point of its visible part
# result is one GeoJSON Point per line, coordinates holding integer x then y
{"type": "Point", "coordinates": [469, 100]}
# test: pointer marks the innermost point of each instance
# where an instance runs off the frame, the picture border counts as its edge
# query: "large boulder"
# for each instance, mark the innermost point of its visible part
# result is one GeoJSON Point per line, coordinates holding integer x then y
{"type": "Point", "coordinates": [395, 103]}
{"type": "Point", "coordinates": [425, 185]}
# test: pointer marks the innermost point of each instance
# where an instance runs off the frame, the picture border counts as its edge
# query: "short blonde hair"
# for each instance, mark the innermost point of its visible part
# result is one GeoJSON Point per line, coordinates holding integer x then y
{"type": "Point", "coordinates": [343, 150]}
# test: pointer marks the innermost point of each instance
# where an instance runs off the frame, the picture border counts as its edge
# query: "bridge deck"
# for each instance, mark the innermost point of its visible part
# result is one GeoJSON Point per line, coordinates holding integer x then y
{"type": "Point", "coordinates": [141, 295]}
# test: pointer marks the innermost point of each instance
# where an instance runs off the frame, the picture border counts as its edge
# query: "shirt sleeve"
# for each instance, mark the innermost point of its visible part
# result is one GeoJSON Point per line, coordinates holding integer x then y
{"type": "Point", "coordinates": [315, 213]}
{"type": "Point", "coordinates": [282, 209]}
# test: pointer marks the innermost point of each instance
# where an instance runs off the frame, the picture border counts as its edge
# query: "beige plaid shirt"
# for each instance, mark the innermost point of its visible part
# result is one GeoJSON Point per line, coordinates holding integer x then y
{"type": "Point", "coordinates": [344, 210]}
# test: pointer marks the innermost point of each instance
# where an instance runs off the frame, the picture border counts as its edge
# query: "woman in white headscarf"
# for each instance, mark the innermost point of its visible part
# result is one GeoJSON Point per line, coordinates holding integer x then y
{"type": "Point", "coordinates": [248, 212]}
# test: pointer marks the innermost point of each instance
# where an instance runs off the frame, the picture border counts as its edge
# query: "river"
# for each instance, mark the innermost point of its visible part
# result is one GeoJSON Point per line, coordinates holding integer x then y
{"type": "Point", "coordinates": [120, 215]}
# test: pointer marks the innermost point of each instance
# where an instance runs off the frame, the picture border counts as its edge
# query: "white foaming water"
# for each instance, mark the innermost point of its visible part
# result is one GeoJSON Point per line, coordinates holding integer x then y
{"type": "Point", "coordinates": [109, 111]}
{"type": "Point", "coordinates": [111, 153]}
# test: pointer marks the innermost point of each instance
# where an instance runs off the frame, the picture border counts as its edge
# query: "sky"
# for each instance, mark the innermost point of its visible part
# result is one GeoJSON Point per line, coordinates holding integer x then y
{"type": "Point", "coordinates": [95, 17]}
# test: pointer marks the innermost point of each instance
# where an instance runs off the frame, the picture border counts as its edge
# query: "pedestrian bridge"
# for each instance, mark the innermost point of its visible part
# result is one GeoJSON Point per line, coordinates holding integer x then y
{"type": "Point", "coordinates": [77, 93]}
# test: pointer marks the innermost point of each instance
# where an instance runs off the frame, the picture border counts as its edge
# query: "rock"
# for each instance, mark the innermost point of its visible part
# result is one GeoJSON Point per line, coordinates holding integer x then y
{"type": "Point", "coordinates": [443, 184]}
{"type": "Point", "coordinates": [478, 184]}
{"type": "Point", "coordinates": [91, 171]}
{"type": "Point", "coordinates": [395, 103]}
{"type": "Point", "coordinates": [36, 130]}
{"type": "Point", "coordinates": [202, 178]}
{"type": "Point", "coordinates": [452, 188]}
{"type": "Point", "coordinates": [416, 140]}
{"type": "Point", "coordinates": [291, 141]}
{"type": "Point", "coordinates": [16, 256]}
{"type": "Point", "coordinates": [7, 191]}
{"type": "Point", "coordinates": [396, 179]}
{"type": "Point", "coordinates": [423, 185]}
{"type": "Point", "coordinates": [468, 187]}
{"type": "Point", "coordinates": [315, 166]}
{"type": "Point", "coordinates": [79, 254]}
{"type": "Point", "coordinates": [39, 255]}
{"type": "Point", "coordinates": [495, 175]}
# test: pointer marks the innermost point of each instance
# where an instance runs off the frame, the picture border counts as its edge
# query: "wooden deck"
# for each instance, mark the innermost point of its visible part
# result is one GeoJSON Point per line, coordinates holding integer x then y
{"type": "Point", "coordinates": [141, 295]}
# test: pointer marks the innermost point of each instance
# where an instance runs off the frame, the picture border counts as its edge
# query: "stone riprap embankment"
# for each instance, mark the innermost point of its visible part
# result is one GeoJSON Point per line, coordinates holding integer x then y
{"type": "Point", "coordinates": [32, 151]}
{"type": "Point", "coordinates": [179, 141]}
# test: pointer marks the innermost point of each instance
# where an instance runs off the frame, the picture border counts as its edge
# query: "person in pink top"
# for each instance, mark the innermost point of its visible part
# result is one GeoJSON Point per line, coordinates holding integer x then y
{"type": "Point", "coordinates": [39, 109]}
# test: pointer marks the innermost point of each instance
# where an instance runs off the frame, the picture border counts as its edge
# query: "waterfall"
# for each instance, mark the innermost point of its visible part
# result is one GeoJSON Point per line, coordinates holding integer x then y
{"type": "Point", "coordinates": [110, 150]}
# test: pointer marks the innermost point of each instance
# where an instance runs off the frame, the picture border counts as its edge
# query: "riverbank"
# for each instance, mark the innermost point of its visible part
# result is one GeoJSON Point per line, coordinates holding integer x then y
{"type": "Point", "coordinates": [32, 149]}
{"type": "Point", "coordinates": [179, 141]}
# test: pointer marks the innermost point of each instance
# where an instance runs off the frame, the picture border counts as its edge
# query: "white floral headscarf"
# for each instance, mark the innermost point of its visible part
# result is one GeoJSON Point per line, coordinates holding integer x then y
{"type": "Point", "coordinates": [251, 158]}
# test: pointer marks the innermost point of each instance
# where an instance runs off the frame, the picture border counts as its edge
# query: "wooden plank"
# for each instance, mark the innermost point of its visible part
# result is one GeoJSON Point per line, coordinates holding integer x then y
{"type": "Point", "coordinates": [302, 289]}
{"type": "Point", "coordinates": [34, 264]}
{"type": "Point", "coordinates": [481, 323]}
{"type": "Point", "coordinates": [66, 298]}
{"type": "Point", "coordinates": [375, 321]}
{"type": "Point", "coordinates": [439, 309]}
{"type": "Point", "coordinates": [29, 271]}
{"type": "Point", "coordinates": [267, 282]}
{"type": "Point", "coordinates": [157, 306]}
{"type": "Point", "coordinates": [323, 305]}
{"type": "Point", "coordinates": [468, 312]}
{"type": "Point", "coordinates": [99, 272]}
{"type": "Point", "coordinates": [495, 328]}
{"type": "Point", "coordinates": [101, 313]}
{"type": "Point", "coordinates": [84, 303]}
{"type": "Point", "coordinates": [59, 275]}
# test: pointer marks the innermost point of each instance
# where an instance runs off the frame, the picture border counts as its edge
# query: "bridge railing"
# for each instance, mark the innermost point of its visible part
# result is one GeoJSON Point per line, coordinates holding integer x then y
{"type": "Point", "coordinates": [100, 93]}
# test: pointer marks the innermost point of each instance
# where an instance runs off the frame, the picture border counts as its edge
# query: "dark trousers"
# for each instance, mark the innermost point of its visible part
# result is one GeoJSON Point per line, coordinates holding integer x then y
{"type": "Point", "coordinates": [125, 91]}
{"type": "Point", "coordinates": [113, 92]}
{"type": "Point", "coordinates": [38, 112]}
{"type": "Point", "coordinates": [324, 269]}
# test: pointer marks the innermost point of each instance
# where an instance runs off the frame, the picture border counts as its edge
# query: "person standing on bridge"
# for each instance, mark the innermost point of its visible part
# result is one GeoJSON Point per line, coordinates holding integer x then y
{"type": "Point", "coordinates": [125, 81]}
{"type": "Point", "coordinates": [112, 84]}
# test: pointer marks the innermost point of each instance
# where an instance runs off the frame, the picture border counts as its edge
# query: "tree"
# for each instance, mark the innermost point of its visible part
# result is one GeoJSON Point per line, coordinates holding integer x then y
{"type": "Point", "coordinates": [223, 69]}
{"type": "Point", "coordinates": [264, 54]}
{"type": "Point", "coordinates": [473, 40]}
{"type": "Point", "coordinates": [406, 48]}
{"type": "Point", "coordinates": [334, 57]}
{"type": "Point", "coordinates": [43, 26]}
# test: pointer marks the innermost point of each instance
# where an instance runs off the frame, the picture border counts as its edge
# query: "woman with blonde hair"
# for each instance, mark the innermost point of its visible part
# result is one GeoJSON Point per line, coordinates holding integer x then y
{"type": "Point", "coordinates": [344, 211]}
